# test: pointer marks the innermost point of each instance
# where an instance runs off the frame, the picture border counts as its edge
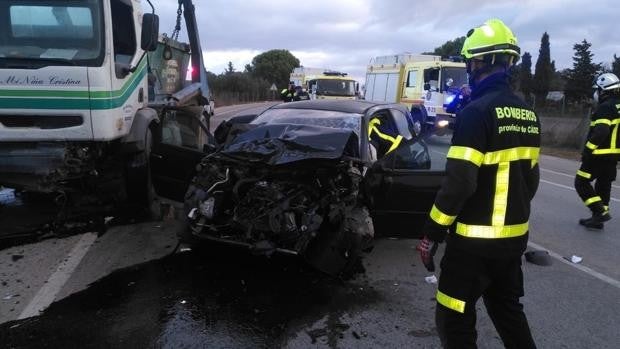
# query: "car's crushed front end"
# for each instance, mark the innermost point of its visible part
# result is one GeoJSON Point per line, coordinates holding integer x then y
{"type": "Point", "coordinates": [285, 188]}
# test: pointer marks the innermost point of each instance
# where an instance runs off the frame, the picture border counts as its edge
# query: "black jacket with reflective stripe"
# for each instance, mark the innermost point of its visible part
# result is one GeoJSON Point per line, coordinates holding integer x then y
{"type": "Point", "coordinates": [491, 174]}
{"type": "Point", "coordinates": [603, 140]}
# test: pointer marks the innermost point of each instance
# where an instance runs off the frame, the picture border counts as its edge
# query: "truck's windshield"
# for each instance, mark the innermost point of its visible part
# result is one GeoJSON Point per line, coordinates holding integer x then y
{"type": "Point", "coordinates": [334, 87]}
{"type": "Point", "coordinates": [50, 32]}
{"type": "Point", "coordinates": [453, 77]}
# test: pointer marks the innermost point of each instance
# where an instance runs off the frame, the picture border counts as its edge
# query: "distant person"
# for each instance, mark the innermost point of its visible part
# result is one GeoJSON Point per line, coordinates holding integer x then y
{"type": "Point", "coordinates": [483, 206]}
{"type": "Point", "coordinates": [601, 152]}
{"type": "Point", "coordinates": [288, 94]}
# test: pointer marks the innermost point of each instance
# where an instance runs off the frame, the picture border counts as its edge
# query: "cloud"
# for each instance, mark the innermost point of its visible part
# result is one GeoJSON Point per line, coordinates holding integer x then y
{"type": "Point", "coordinates": [346, 34]}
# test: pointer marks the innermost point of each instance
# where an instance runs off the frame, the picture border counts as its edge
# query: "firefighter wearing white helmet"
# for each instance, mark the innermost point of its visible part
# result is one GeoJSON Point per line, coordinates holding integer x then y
{"type": "Point", "coordinates": [601, 152]}
{"type": "Point", "coordinates": [482, 209]}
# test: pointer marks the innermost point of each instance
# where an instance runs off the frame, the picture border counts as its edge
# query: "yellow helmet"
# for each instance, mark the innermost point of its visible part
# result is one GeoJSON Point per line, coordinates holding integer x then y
{"type": "Point", "coordinates": [493, 37]}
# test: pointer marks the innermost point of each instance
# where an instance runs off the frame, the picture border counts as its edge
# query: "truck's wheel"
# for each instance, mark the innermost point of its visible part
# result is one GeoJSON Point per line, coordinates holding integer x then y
{"type": "Point", "coordinates": [140, 189]}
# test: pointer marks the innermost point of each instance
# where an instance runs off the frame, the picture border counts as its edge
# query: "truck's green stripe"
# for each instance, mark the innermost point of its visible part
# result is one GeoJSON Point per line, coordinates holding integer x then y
{"type": "Point", "coordinates": [49, 99]}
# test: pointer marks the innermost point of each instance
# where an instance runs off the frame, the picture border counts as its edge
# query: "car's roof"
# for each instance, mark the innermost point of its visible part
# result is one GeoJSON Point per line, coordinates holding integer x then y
{"type": "Point", "coordinates": [347, 106]}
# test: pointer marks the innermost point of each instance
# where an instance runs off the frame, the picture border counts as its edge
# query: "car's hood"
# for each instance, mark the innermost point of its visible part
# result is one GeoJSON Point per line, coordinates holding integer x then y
{"type": "Point", "coordinates": [277, 144]}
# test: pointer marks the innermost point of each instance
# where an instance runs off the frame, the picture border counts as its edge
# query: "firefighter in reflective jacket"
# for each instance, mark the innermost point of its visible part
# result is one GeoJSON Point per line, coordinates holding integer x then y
{"type": "Point", "coordinates": [601, 152]}
{"type": "Point", "coordinates": [383, 134]}
{"type": "Point", "coordinates": [288, 94]}
{"type": "Point", "coordinates": [482, 209]}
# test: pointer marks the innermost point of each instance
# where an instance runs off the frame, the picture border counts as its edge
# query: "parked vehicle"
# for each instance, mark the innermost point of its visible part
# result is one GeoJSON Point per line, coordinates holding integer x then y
{"type": "Point", "coordinates": [300, 178]}
{"type": "Point", "coordinates": [79, 98]}
{"type": "Point", "coordinates": [421, 82]}
{"type": "Point", "coordinates": [324, 83]}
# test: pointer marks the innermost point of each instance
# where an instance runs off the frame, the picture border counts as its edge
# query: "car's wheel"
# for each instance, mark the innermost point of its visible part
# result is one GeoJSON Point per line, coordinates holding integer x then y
{"type": "Point", "coordinates": [340, 252]}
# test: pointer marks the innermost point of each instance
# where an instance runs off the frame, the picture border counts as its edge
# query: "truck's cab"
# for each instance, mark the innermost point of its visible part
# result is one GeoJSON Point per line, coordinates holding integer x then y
{"type": "Point", "coordinates": [76, 94]}
{"type": "Point", "coordinates": [324, 83]}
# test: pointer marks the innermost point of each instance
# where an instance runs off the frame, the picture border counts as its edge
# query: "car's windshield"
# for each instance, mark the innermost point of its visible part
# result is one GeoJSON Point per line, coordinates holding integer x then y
{"type": "Point", "coordinates": [334, 87]}
{"type": "Point", "coordinates": [51, 31]}
{"type": "Point", "coordinates": [327, 118]}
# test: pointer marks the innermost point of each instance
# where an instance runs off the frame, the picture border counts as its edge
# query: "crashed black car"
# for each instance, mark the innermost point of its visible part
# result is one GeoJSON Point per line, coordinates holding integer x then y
{"type": "Point", "coordinates": [301, 178]}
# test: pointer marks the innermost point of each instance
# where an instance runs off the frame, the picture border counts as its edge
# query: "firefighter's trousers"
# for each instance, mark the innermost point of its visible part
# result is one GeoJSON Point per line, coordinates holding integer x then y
{"type": "Point", "coordinates": [603, 171]}
{"type": "Point", "coordinates": [464, 279]}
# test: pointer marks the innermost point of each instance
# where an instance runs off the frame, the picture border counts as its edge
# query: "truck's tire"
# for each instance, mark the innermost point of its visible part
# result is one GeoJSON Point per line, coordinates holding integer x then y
{"type": "Point", "coordinates": [139, 186]}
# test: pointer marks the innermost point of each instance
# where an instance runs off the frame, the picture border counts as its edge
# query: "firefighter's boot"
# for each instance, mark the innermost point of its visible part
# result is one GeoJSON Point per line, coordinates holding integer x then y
{"type": "Point", "coordinates": [597, 219]}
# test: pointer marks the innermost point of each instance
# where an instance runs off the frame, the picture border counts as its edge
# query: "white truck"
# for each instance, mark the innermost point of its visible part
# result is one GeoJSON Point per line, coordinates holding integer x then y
{"type": "Point", "coordinates": [324, 83]}
{"type": "Point", "coordinates": [83, 85]}
{"type": "Point", "coordinates": [425, 82]}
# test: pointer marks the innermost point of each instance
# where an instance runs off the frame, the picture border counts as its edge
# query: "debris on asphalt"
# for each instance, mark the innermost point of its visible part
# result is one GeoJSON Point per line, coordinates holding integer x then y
{"type": "Point", "coordinates": [106, 220]}
{"type": "Point", "coordinates": [7, 297]}
{"type": "Point", "coordinates": [357, 336]}
{"type": "Point", "coordinates": [538, 257]}
{"type": "Point", "coordinates": [183, 301]}
{"type": "Point", "coordinates": [16, 257]}
{"type": "Point", "coordinates": [574, 259]}
{"type": "Point", "coordinates": [431, 279]}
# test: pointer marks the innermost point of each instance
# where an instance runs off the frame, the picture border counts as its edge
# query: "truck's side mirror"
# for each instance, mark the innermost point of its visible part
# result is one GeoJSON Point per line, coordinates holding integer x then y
{"type": "Point", "coordinates": [150, 32]}
{"type": "Point", "coordinates": [427, 86]}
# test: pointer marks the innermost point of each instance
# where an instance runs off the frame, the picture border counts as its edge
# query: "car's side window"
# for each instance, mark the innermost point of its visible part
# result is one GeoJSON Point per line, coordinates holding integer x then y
{"type": "Point", "coordinates": [412, 156]}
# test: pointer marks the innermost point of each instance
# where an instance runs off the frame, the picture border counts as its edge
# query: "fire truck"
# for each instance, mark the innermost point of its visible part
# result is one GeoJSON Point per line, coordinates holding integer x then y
{"type": "Point", "coordinates": [425, 83]}
{"type": "Point", "coordinates": [325, 83]}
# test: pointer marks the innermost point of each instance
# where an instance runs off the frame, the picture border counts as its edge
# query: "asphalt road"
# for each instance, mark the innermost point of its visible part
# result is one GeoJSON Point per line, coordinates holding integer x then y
{"type": "Point", "coordinates": [131, 287]}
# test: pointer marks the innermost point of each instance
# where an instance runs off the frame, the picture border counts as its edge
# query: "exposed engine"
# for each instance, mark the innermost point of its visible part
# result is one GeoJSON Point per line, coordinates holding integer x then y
{"type": "Point", "coordinates": [311, 209]}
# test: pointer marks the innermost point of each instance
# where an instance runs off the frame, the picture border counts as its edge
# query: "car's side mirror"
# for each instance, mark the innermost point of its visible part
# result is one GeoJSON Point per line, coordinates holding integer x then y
{"type": "Point", "coordinates": [150, 32]}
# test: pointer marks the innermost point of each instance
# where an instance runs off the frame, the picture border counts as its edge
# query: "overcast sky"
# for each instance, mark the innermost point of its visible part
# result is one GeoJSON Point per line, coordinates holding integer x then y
{"type": "Point", "coordinates": [345, 34]}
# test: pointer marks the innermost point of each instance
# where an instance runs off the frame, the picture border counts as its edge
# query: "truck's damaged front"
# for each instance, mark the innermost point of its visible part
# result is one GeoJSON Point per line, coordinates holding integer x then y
{"type": "Point", "coordinates": [285, 188]}
{"type": "Point", "coordinates": [64, 102]}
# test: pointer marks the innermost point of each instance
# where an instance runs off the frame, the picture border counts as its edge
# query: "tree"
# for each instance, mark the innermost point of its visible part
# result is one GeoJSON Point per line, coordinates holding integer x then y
{"type": "Point", "coordinates": [615, 66]}
{"type": "Point", "coordinates": [544, 71]}
{"type": "Point", "coordinates": [525, 76]}
{"type": "Point", "coordinates": [274, 66]}
{"type": "Point", "coordinates": [584, 71]}
{"type": "Point", "coordinates": [230, 68]}
{"type": "Point", "coordinates": [449, 48]}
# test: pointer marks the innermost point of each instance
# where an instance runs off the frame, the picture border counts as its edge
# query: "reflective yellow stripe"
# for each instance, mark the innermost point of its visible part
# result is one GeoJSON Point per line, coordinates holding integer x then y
{"type": "Point", "coordinates": [465, 153]}
{"type": "Point", "coordinates": [500, 202]}
{"type": "Point", "coordinates": [491, 232]}
{"type": "Point", "coordinates": [593, 200]}
{"type": "Point", "coordinates": [606, 151]}
{"type": "Point", "coordinates": [440, 217]}
{"type": "Point", "coordinates": [512, 154]}
{"type": "Point", "coordinates": [601, 121]}
{"type": "Point", "coordinates": [373, 124]}
{"type": "Point", "coordinates": [591, 146]}
{"type": "Point", "coordinates": [584, 174]}
{"type": "Point", "coordinates": [395, 143]}
{"type": "Point", "coordinates": [450, 303]}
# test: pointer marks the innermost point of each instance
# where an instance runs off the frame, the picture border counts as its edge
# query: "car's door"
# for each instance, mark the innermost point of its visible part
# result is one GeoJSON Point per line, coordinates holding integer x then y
{"type": "Point", "coordinates": [402, 188]}
{"type": "Point", "coordinates": [179, 143]}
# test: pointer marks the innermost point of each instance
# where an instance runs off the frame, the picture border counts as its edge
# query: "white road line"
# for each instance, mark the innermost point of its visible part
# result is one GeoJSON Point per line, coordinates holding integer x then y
{"type": "Point", "coordinates": [589, 271]}
{"type": "Point", "coordinates": [570, 188]}
{"type": "Point", "coordinates": [568, 175]}
{"type": "Point", "coordinates": [45, 296]}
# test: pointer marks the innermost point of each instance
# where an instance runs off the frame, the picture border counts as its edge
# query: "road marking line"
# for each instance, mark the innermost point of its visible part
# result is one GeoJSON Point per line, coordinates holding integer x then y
{"type": "Point", "coordinates": [45, 296]}
{"type": "Point", "coordinates": [570, 188]}
{"type": "Point", "coordinates": [570, 176]}
{"type": "Point", "coordinates": [589, 271]}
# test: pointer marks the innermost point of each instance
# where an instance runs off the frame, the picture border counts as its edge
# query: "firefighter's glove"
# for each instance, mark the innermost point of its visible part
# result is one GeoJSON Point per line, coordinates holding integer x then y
{"type": "Point", "coordinates": [427, 249]}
